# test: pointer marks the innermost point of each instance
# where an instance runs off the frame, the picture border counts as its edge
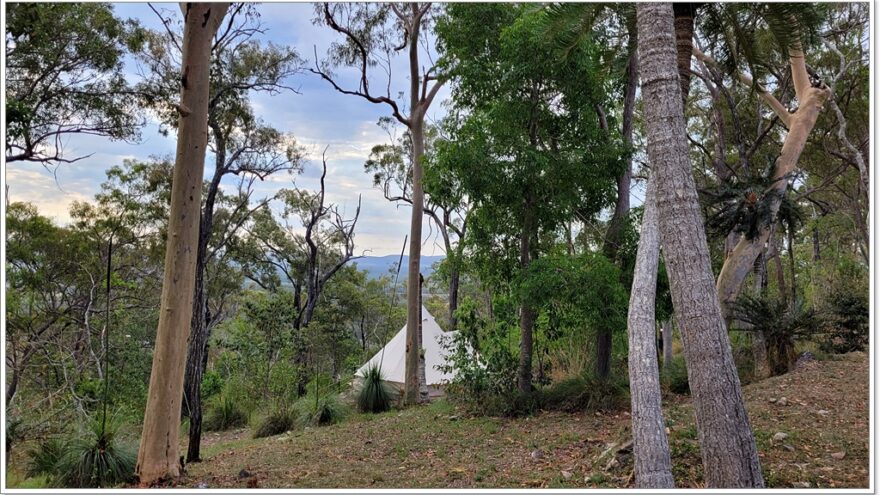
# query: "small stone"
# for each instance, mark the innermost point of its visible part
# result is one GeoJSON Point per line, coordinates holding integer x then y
{"type": "Point", "coordinates": [667, 430]}
{"type": "Point", "coordinates": [772, 400]}
{"type": "Point", "coordinates": [800, 484]}
{"type": "Point", "coordinates": [788, 447]}
{"type": "Point", "coordinates": [202, 485]}
{"type": "Point", "coordinates": [823, 412]}
{"type": "Point", "coordinates": [838, 455]}
{"type": "Point", "coordinates": [567, 475]}
{"type": "Point", "coordinates": [780, 436]}
{"type": "Point", "coordinates": [453, 418]}
{"type": "Point", "coordinates": [782, 402]}
{"type": "Point", "coordinates": [537, 454]}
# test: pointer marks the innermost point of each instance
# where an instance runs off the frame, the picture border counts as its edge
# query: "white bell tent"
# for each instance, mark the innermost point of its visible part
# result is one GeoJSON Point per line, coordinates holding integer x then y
{"type": "Point", "coordinates": [392, 358]}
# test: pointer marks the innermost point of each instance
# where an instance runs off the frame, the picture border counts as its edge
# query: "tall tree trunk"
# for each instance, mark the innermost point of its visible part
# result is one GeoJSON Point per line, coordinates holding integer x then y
{"type": "Point", "coordinates": [653, 467]}
{"type": "Point", "coordinates": [739, 263]}
{"type": "Point", "coordinates": [773, 242]}
{"type": "Point", "coordinates": [611, 244]}
{"type": "Point", "coordinates": [423, 379]}
{"type": "Point", "coordinates": [730, 458]}
{"type": "Point", "coordinates": [792, 263]}
{"type": "Point", "coordinates": [454, 280]}
{"type": "Point", "coordinates": [158, 453]}
{"type": "Point", "coordinates": [197, 348]}
{"type": "Point", "coordinates": [759, 341]}
{"type": "Point", "coordinates": [527, 313]}
{"type": "Point", "coordinates": [683, 13]}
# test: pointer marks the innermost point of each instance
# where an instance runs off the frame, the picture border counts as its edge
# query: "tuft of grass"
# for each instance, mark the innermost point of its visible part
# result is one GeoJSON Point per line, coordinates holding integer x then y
{"type": "Point", "coordinates": [225, 414]}
{"type": "Point", "coordinates": [97, 457]}
{"type": "Point", "coordinates": [674, 377]}
{"type": "Point", "coordinates": [275, 423]}
{"type": "Point", "coordinates": [586, 393]}
{"type": "Point", "coordinates": [325, 410]}
{"type": "Point", "coordinates": [376, 395]}
{"type": "Point", "coordinates": [44, 458]}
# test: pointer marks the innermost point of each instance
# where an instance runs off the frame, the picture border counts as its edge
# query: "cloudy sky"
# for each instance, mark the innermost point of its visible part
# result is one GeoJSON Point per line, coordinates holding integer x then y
{"type": "Point", "coordinates": [318, 116]}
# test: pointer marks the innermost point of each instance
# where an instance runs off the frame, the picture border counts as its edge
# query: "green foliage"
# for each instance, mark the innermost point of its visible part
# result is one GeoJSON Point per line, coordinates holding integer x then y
{"type": "Point", "coordinates": [224, 413]}
{"type": "Point", "coordinates": [586, 393]}
{"type": "Point", "coordinates": [326, 409]}
{"type": "Point", "coordinates": [96, 458]}
{"type": "Point", "coordinates": [212, 384]}
{"type": "Point", "coordinates": [277, 422]}
{"type": "Point", "coordinates": [376, 395]}
{"type": "Point", "coordinates": [674, 377]}
{"type": "Point", "coordinates": [14, 431]}
{"type": "Point", "coordinates": [846, 321]}
{"type": "Point", "coordinates": [44, 458]}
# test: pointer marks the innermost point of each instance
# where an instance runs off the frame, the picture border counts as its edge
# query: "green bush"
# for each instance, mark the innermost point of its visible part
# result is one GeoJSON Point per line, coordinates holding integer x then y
{"type": "Point", "coordinates": [846, 320]}
{"type": "Point", "coordinates": [43, 459]}
{"type": "Point", "coordinates": [674, 378]}
{"type": "Point", "coordinates": [212, 384]}
{"type": "Point", "coordinates": [782, 324]}
{"type": "Point", "coordinates": [375, 395]}
{"type": "Point", "coordinates": [96, 458]}
{"type": "Point", "coordinates": [325, 410]}
{"type": "Point", "coordinates": [586, 393]}
{"type": "Point", "coordinates": [275, 423]}
{"type": "Point", "coordinates": [14, 431]}
{"type": "Point", "coordinates": [224, 414]}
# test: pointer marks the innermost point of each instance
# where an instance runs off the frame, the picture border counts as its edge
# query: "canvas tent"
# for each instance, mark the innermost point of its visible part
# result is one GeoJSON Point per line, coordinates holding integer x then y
{"type": "Point", "coordinates": [392, 358]}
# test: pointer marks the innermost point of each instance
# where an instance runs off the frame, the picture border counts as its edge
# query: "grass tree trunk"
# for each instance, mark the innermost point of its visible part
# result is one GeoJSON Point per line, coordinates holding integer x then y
{"type": "Point", "coordinates": [653, 467]}
{"type": "Point", "coordinates": [158, 453]}
{"type": "Point", "coordinates": [730, 457]}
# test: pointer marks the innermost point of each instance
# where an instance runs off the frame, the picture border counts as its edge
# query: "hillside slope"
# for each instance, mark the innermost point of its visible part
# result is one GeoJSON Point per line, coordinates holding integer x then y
{"type": "Point", "coordinates": [823, 419]}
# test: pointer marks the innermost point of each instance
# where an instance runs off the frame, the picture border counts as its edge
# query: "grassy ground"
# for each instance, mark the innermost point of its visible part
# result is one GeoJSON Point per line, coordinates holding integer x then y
{"type": "Point", "coordinates": [434, 446]}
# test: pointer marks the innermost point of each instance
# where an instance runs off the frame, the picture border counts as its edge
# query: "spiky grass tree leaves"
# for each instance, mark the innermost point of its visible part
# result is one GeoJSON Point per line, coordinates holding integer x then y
{"type": "Point", "coordinates": [376, 395]}
{"type": "Point", "coordinates": [96, 458]}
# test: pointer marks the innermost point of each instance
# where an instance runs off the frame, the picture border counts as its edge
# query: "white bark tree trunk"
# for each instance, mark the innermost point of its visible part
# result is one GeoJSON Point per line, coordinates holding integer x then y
{"type": "Point", "coordinates": [730, 458]}
{"type": "Point", "coordinates": [653, 467]}
{"type": "Point", "coordinates": [158, 455]}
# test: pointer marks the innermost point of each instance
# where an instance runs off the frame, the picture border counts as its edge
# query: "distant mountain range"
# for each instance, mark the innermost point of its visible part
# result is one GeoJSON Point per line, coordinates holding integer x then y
{"type": "Point", "coordinates": [379, 266]}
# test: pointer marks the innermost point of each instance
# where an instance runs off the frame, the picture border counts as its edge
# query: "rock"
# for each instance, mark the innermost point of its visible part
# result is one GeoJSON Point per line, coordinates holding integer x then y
{"type": "Point", "coordinates": [823, 412]}
{"type": "Point", "coordinates": [782, 402]}
{"type": "Point", "coordinates": [537, 454]}
{"type": "Point", "coordinates": [772, 400]}
{"type": "Point", "coordinates": [838, 455]}
{"type": "Point", "coordinates": [567, 475]}
{"type": "Point", "coordinates": [613, 463]}
{"type": "Point", "coordinates": [780, 436]}
{"type": "Point", "coordinates": [788, 447]}
{"type": "Point", "coordinates": [800, 484]}
{"type": "Point", "coordinates": [453, 418]}
{"type": "Point", "coordinates": [244, 473]}
{"type": "Point", "coordinates": [202, 485]}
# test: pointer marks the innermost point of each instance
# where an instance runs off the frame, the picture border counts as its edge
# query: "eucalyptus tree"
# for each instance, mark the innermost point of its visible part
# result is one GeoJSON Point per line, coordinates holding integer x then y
{"type": "Point", "coordinates": [158, 453]}
{"type": "Point", "coordinates": [445, 204]}
{"type": "Point", "coordinates": [64, 76]}
{"type": "Point", "coordinates": [523, 150]}
{"type": "Point", "coordinates": [244, 148]}
{"type": "Point", "coordinates": [730, 457]}
{"type": "Point", "coordinates": [371, 35]}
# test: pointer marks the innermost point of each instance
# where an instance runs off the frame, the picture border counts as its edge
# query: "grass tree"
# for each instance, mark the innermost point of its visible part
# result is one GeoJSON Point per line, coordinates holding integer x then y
{"type": "Point", "coordinates": [730, 457]}
{"type": "Point", "coordinates": [158, 454]}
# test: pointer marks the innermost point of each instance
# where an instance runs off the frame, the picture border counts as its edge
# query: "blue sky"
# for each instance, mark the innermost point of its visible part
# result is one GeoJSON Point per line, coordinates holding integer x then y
{"type": "Point", "coordinates": [318, 117]}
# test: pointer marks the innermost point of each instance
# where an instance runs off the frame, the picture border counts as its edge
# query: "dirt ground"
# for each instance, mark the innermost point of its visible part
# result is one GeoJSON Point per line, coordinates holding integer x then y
{"type": "Point", "coordinates": [811, 426]}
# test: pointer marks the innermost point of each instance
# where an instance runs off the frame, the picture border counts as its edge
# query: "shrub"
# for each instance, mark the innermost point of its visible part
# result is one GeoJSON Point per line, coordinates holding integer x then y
{"type": "Point", "coordinates": [97, 457]}
{"type": "Point", "coordinates": [782, 324]}
{"type": "Point", "coordinates": [276, 423]}
{"type": "Point", "coordinates": [325, 410]}
{"type": "Point", "coordinates": [212, 384]}
{"type": "Point", "coordinates": [224, 414]}
{"type": "Point", "coordinates": [14, 432]}
{"type": "Point", "coordinates": [845, 322]}
{"type": "Point", "coordinates": [586, 393]}
{"type": "Point", "coordinates": [674, 377]}
{"type": "Point", "coordinates": [44, 458]}
{"type": "Point", "coordinates": [375, 395]}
